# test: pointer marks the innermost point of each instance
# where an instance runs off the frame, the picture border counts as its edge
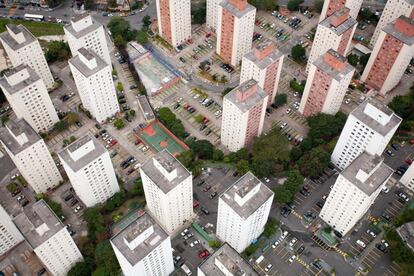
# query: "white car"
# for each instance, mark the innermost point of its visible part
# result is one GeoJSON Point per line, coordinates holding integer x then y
{"type": "Point", "coordinates": [283, 125]}
{"type": "Point", "coordinates": [267, 180]}
{"type": "Point", "coordinates": [268, 267]}
{"type": "Point", "coordinates": [361, 243]}
{"type": "Point", "coordinates": [371, 233]}
{"type": "Point", "coordinates": [385, 189]}
{"type": "Point", "coordinates": [284, 235]}
{"type": "Point", "coordinates": [194, 243]}
{"type": "Point", "coordinates": [288, 110]}
{"type": "Point", "coordinates": [276, 243]}
{"type": "Point", "coordinates": [291, 259]}
{"type": "Point", "coordinates": [196, 96]}
{"type": "Point", "coordinates": [348, 101]}
{"type": "Point", "coordinates": [184, 232]}
{"type": "Point", "coordinates": [292, 242]}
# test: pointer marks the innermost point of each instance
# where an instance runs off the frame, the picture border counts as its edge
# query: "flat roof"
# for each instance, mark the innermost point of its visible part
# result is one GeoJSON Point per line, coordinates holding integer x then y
{"type": "Point", "coordinates": [373, 124]}
{"type": "Point", "coordinates": [77, 62]}
{"type": "Point", "coordinates": [18, 127]}
{"type": "Point", "coordinates": [146, 107]}
{"type": "Point", "coordinates": [406, 232]}
{"type": "Point", "coordinates": [370, 164]}
{"type": "Point", "coordinates": [391, 30]}
{"type": "Point", "coordinates": [251, 100]}
{"type": "Point", "coordinates": [331, 71]}
{"type": "Point", "coordinates": [38, 223]}
{"type": "Point", "coordinates": [235, 11]}
{"type": "Point", "coordinates": [132, 231]}
{"type": "Point", "coordinates": [11, 42]}
{"type": "Point", "coordinates": [169, 163]}
{"type": "Point", "coordinates": [76, 165]}
{"type": "Point", "coordinates": [242, 187]}
{"type": "Point", "coordinates": [95, 25]}
{"type": "Point", "coordinates": [263, 63]}
{"type": "Point", "coordinates": [228, 257]}
{"type": "Point", "coordinates": [346, 25]}
{"type": "Point", "coordinates": [12, 89]}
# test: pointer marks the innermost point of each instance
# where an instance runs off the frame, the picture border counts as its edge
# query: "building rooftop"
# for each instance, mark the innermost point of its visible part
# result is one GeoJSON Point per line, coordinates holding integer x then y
{"type": "Point", "coordinates": [139, 238]}
{"type": "Point", "coordinates": [18, 136]}
{"type": "Point", "coordinates": [78, 17]}
{"type": "Point", "coordinates": [146, 108]}
{"type": "Point", "coordinates": [82, 152]}
{"type": "Point", "coordinates": [38, 223]}
{"type": "Point", "coordinates": [225, 4]}
{"type": "Point", "coordinates": [7, 82]}
{"type": "Point", "coordinates": [266, 61]}
{"type": "Point", "coordinates": [334, 65]}
{"type": "Point", "coordinates": [86, 30]}
{"type": "Point", "coordinates": [249, 191]}
{"type": "Point", "coordinates": [396, 29]}
{"type": "Point", "coordinates": [165, 171]}
{"type": "Point", "coordinates": [329, 22]}
{"type": "Point", "coordinates": [20, 32]}
{"type": "Point", "coordinates": [368, 172]}
{"type": "Point", "coordinates": [382, 127]}
{"type": "Point", "coordinates": [96, 62]}
{"type": "Point", "coordinates": [248, 102]}
{"type": "Point", "coordinates": [230, 259]}
{"type": "Point", "coordinates": [406, 232]}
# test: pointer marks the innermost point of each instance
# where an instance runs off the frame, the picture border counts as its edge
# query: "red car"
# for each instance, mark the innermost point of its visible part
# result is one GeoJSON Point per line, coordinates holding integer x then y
{"type": "Point", "coordinates": [411, 141]}
{"type": "Point", "coordinates": [208, 35]}
{"type": "Point", "coordinates": [114, 142]}
{"type": "Point", "coordinates": [196, 204]}
{"type": "Point", "coordinates": [207, 188]}
{"type": "Point", "coordinates": [203, 254]}
{"type": "Point", "coordinates": [409, 161]}
{"type": "Point", "coordinates": [206, 120]}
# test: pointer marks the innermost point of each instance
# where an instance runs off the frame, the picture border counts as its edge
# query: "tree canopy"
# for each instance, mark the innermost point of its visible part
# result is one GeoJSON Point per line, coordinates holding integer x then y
{"type": "Point", "coordinates": [264, 4]}
{"type": "Point", "coordinates": [293, 5]}
{"type": "Point", "coordinates": [324, 126]}
{"type": "Point", "coordinates": [297, 52]}
{"type": "Point", "coordinates": [280, 99]}
{"type": "Point", "coordinates": [203, 149]}
{"type": "Point", "coordinates": [80, 269]}
{"type": "Point", "coordinates": [199, 14]}
{"type": "Point", "coordinates": [57, 51]}
{"type": "Point", "coordinates": [313, 163]}
{"type": "Point", "coordinates": [105, 259]}
{"type": "Point", "coordinates": [168, 118]}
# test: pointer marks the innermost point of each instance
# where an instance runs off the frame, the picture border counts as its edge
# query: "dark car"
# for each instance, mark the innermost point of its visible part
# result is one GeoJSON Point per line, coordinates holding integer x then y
{"type": "Point", "coordinates": [24, 202]}
{"type": "Point", "coordinates": [201, 182]}
{"type": "Point", "coordinates": [65, 98]}
{"type": "Point", "coordinates": [395, 147]}
{"type": "Point", "coordinates": [73, 202]}
{"type": "Point", "coordinates": [204, 210]}
{"type": "Point", "coordinates": [68, 197]}
{"type": "Point", "coordinates": [320, 203]}
{"type": "Point", "coordinates": [285, 212]}
{"type": "Point", "coordinates": [301, 249]}
{"type": "Point", "coordinates": [303, 192]}
{"type": "Point", "coordinates": [386, 217]}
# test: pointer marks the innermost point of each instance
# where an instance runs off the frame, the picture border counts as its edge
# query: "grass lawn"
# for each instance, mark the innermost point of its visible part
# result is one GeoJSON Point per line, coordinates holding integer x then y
{"type": "Point", "coordinates": [36, 28]}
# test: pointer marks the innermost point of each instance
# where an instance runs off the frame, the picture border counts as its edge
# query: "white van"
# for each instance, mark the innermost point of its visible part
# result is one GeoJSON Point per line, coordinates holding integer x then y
{"type": "Point", "coordinates": [259, 260]}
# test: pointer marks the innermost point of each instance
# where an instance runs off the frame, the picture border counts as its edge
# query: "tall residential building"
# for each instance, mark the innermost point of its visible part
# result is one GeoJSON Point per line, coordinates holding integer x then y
{"type": "Point", "coordinates": [392, 10]}
{"type": "Point", "coordinates": [369, 128]}
{"type": "Point", "coordinates": [327, 83]}
{"type": "Point", "coordinates": [264, 65]}
{"type": "Point", "coordinates": [174, 20]}
{"type": "Point", "coordinates": [84, 32]}
{"type": "Point", "coordinates": [9, 234]}
{"type": "Point", "coordinates": [143, 248]}
{"type": "Point", "coordinates": [49, 238]}
{"type": "Point", "coordinates": [212, 14]}
{"type": "Point", "coordinates": [354, 191]}
{"type": "Point", "coordinates": [23, 48]}
{"type": "Point", "coordinates": [335, 32]}
{"type": "Point", "coordinates": [391, 55]}
{"type": "Point", "coordinates": [244, 111]}
{"type": "Point", "coordinates": [31, 156]}
{"type": "Point", "coordinates": [168, 188]}
{"type": "Point", "coordinates": [93, 78]}
{"type": "Point", "coordinates": [243, 210]}
{"type": "Point", "coordinates": [28, 97]}
{"type": "Point", "coordinates": [408, 178]}
{"type": "Point", "coordinates": [331, 6]}
{"type": "Point", "coordinates": [89, 168]}
{"type": "Point", "coordinates": [235, 27]}
{"type": "Point", "coordinates": [225, 261]}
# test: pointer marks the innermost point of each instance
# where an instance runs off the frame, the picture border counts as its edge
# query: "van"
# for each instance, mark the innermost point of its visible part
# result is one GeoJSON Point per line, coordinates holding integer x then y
{"type": "Point", "coordinates": [259, 260]}
{"type": "Point", "coordinates": [186, 269]}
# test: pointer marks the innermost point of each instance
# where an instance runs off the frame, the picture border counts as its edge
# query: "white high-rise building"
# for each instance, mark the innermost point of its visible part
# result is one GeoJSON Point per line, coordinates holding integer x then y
{"type": "Point", "coordinates": [354, 191]}
{"type": "Point", "coordinates": [408, 178]}
{"type": "Point", "coordinates": [28, 97]}
{"type": "Point", "coordinates": [174, 20]}
{"type": "Point", "coordinates": [168, 188]}
{"type": "Point", "coordinates": [243, 115]}
{"type": "Point", "coordinates": [84, 32]}
{"type": "Point", "coordinates": [392, 10]}
{"type": "Point", "coordinates": [331, 6]}
{"type": "Point", "coordinates": [335, 32]}
{"type": "Point", "coordinates": [89, 168]}
{"type": "Point", "coordinates": [93, 78]}
{"type": "Point", "coordinates": [23, 48]}
{"type": "Point", "coordinates": [327, 83]}
{"type": "Point", "coordinates": [143, 248]}
{"type": "Point", "coordinates": [31, 156]}
{"type": "Point", "coordinates": [211, 14]}
{"type": "Point", "coordinates": [49, 238]}
{"type": "Point", "coordinates": [243, 210]}
{"type": "Point", "coordinates": [9, 234]}
{"type": "Point", "coordinates": [235, 27]}
{"type": "Point", "coordinates": [264, 65]}
{"type": "Point", "coordinates": [225, 261]}
{"type": "Point", "coordinates": [369, 128]}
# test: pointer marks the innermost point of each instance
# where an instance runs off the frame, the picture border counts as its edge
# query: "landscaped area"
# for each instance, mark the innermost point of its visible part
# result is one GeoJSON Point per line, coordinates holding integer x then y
{"type": "Point", "coordinates": [36, 28]}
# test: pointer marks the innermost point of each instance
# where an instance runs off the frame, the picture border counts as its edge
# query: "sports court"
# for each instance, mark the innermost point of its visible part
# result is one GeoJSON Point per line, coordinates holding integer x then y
{"type": "Point", "coordinates": [158, 137]}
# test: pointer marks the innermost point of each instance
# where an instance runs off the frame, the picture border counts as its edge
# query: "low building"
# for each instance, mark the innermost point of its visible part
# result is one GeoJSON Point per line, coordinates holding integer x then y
{"type": "Point", "coordinates": [408, 178]}
{"type": "Point", "coordinates": [406, 232]}
{"type": "Point", "coordinates": [146, 108]}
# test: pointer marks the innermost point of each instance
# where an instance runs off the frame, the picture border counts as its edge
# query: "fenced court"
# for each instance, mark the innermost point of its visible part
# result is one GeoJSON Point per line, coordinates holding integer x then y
{"type": "Point", "coordinates": [158, 137]}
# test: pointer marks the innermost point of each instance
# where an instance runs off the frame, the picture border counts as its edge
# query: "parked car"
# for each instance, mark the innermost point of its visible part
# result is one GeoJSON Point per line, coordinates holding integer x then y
{"type": "Point", "coordinates": [361, 243]}
{"type": "Point", "coordinates": [212, 195]}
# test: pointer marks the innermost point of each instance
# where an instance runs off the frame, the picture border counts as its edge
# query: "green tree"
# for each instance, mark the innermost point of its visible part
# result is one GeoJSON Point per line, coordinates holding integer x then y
{"type": "Point", "coordinates": [296, 86]}
{"type": "Point", "coordinates": [142, 37]}
{"type": "Point", "coordinates": [95, 222]}
{"type": "Point", "coordinates": [218, 155]}
{"type": "Point", "coordinates": [271, 227]}
{"type": "Point", "coordinates": [314, 162]}
{"type": "Point", "coordinates": [12, 187]}
{"type": "Point", "coordinates": [115, 201]}
{"type": "Point", "coordinates": [71, 118]}
{"type": "Point", "coordinates": [297, 52]}
{"type": "Point", "coordinates": [406, 216]}
{"type": "Point", "coordinates": [203, 149]}
{"type": "Point", "coordinates": [186, 158]}
{"type": "Point", "coordinates": [215, 244]}
{"type": "Point", "coordinates": [242, 167]}
{"type": "Point", "coordinates": [105, 259]}
{"type": "Point", "coordinates": [353, 59]}
{"type": "Point", "coordinates": [226, 91]}
{"type": "Point", "coordinates": [137, 188]}
{"type": "Point", "coordinates": [295, 153]}
{"type": "Point", "coordinates": [80, 269]}
{"type": "Point", "coordinates": [280, 99]}
{"type": "Point", "coordinates": [318, 5]}
{"type": "Point", "coordinates": [61, 125]}
{"type": "Point", "coordinates": [54, 3]}
{"type": "Point", "coordinates": [146, 20]}
{"type": "Point", "coordinates": [166, 116]}
{"type": "Point", "coordinates": [199, 15]}
{"type": "Point", "coordinates": [57, 51]}
{"type": "Point", "coordinates": [364, 59]}
{"type": "Point", "coordinates": [293, 5]}
{"type": "Point", "coordinates": [325, 126]}
{"type": "Point", "coordinates": [89, 4]}
{"type": "Point", "coordinates": [119, 86]}
{"type": "Point", "coordinates": [283, 195]}
{"type": "Point", "coordinates": [266, 5]}
{"type": "Point", "coordinates": [112, 3]}
{"type": "Point", "coordinates": [119, 123]}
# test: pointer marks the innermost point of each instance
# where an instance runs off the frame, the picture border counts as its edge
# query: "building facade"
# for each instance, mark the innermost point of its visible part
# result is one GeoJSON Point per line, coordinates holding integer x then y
{"type": "Point", "coordinates": [327, 83]}
{"type": "Point", "coordinates": [243, 115]}
{"type": "Point", "coordinates": [174, 20]}
{"type": "Point", "coordinates": [331, 6]}
{"type": "Point", "coordinates": [264, 65]}
{"type": "Point", "coordinates": [9, 234]}
{"type": "Point", "coordinates": [369, 128]}
{"type": "Point", "coordinates": [28, 97]}
{"type": "Point", "coordinates": [354, 191]}
{"type": "Point", "coordinates": [408, 178]}
{"type": "Point", "coordinates": [31, 156]}
{"type": "Point", "coordinates": [93, 78]}
{"type": "Point", "coordinates": [143, 248]}
{"type": "Point", "coordinates": [235, 27]}
{"type": "Point", "coordinates": [23, 48]}
{"type": "Point", "coordinates": [84, 32]}
{"type": "Point", "coordinates": [243, 210]}
{"type": "Point", "coordinates": [392, 10]}
{"type": "Point", "coordinates": [49, 238]}
{"type": "Point", "coordinates": [335, 32]}
{"type": "Point", "coordinates": [168, 188]}
{"type": "Point", "coordinates": [212, 16]}
{"type": "Point", "coordinates": [89, 168]}
{"type": "Point", "coordinates": [391, 55]}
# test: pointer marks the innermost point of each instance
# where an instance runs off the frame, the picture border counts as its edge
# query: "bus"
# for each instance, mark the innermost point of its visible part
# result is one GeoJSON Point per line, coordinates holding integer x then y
{"type": "Point", "coordinates": [34, 17]}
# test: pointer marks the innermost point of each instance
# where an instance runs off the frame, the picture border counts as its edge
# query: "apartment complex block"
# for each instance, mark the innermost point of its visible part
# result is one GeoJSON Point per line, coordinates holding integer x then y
{"type": "Point", "coordinates": [9, 234]}
{"type": "Point", "coordinates": [331, 6]}
{"type": "Point", "coordinates": [211, 14]}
